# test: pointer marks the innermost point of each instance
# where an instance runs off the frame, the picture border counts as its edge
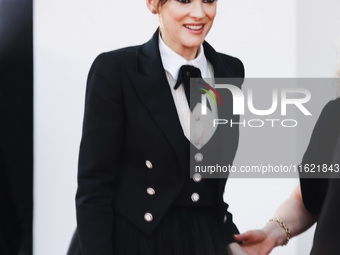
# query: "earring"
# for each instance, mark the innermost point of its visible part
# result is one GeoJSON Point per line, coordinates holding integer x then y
{"type": "Point", "coordinates": [154, 11]}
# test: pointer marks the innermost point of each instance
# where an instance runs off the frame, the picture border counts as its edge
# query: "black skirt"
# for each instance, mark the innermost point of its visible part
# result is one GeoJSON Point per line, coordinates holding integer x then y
{"type": "Point", "coordinates": [185, 230]}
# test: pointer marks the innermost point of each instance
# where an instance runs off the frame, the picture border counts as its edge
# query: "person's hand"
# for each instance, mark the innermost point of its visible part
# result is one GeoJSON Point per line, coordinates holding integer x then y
{"type": "Point", "coordinates": [236, 249]}
{"type": "Point", "coordinates": [256, 242]}
{"type": "Point", "coordinates": [262, 241]}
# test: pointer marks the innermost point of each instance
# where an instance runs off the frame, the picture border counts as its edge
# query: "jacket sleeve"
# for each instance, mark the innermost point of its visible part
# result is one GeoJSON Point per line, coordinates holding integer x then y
{"type": "Point", "coordinates": [103, 130]}
{"type": "Point", "coordinates": [320, 151]}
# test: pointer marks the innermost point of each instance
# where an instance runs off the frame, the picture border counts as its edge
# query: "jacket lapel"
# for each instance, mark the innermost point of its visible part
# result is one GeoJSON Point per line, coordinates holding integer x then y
{"type": "Point", "coordinates": [151, 85]}
{"type": "Point", "coordinates": [220, 69]}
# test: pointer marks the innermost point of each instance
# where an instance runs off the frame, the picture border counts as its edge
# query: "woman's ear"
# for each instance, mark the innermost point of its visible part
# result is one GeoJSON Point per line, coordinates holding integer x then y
{"type": "Point", "coordinates": [152, 6]}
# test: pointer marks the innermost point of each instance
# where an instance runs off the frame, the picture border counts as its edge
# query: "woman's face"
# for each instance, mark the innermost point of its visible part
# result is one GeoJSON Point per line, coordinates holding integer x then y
{"type": "Point", "coordinates": [184, 24]}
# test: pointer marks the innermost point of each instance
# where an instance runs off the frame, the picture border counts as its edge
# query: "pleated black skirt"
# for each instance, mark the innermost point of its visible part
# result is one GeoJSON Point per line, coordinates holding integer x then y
{"type": "Point", "coordinates": [184, 230]}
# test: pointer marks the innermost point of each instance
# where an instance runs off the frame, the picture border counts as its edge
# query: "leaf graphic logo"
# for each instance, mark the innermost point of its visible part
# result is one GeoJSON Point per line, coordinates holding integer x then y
{"type": "Point", "coordinates": [209, 93]}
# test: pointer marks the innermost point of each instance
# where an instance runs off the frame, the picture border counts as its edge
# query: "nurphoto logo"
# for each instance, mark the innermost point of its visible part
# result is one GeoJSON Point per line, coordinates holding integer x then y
{"type": "Point", "coordinates": [280, 100]}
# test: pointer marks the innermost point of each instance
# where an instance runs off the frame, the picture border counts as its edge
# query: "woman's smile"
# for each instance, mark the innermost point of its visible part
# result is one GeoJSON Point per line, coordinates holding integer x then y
{"type": "Point", "coordinates": [195, 29]}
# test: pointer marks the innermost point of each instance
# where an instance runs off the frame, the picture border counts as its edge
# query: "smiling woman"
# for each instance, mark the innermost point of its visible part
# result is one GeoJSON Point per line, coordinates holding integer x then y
{"type": "Point", "coordinates": [135, 195]}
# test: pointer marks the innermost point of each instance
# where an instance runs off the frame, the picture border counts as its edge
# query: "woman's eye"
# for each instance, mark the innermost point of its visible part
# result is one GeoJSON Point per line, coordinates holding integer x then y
{"type": "Point", "coordinates": [183, 1]}
{"type": "Point", "coordinates": [189, 1]}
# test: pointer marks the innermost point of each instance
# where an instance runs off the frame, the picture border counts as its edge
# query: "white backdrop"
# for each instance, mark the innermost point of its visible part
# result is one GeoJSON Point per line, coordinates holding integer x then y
{"type": "Point", "coordinates": [272, 38]}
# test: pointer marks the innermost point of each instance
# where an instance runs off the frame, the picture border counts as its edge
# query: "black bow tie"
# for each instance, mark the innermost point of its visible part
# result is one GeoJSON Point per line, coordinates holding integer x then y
{"type": "Point", "coordinates": [185, 73]}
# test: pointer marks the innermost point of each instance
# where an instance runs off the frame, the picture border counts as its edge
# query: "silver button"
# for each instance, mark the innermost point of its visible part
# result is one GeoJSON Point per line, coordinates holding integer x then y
{"type": "Point", "coordinates": [148, 164]}
{"type": "Point", "coordinates": [225, 219]}
{"type": "Point", "coordinates": [197, 142]}
{"type": "Point", "coordinates": [197, 177]}
{"type": "Point", "coordinates": [150, 191]}
{"type": "Point", "coordinates": [198, 118]}
{"type": "Point", "coordinates": [148, 217]}
{"type": "Point", "coordinates": [195, 197]}
{"type": "Point", "coordinates": [198, 157]}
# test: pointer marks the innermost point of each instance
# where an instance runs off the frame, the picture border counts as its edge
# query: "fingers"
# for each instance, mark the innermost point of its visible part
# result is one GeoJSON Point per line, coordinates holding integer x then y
{"type": "Point", "coordinates": [240, 237]}
{"type": "Point", "coordinates": [245, 236]}
{"type": "Point", "coordinates": [252, 236]}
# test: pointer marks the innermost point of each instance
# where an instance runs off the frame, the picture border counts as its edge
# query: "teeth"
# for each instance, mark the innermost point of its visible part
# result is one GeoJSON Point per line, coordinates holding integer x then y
{"type": "Point", "coordinates": [194, 27]}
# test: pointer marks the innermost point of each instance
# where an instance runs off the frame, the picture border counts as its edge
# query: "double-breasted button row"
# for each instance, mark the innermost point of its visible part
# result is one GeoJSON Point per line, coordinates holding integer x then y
{"type": "Point", "coordinates": [148, 217]}
{"type": "Point", "coordinates": [150, 191]}
{"type": "Point", "coordinates": [195, 197]}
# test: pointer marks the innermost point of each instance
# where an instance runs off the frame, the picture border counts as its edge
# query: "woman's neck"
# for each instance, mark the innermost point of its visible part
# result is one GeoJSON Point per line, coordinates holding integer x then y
{"type": "Point", "coordinates": [189, 53]}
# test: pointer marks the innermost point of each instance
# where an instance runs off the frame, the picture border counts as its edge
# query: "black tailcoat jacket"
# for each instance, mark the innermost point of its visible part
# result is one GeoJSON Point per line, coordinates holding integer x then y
{"type": "Point", "coordinates": [132, 139]}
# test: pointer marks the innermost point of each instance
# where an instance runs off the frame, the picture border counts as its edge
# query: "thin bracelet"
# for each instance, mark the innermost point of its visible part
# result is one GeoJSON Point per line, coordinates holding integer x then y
{"type": "Point", "coordinates": [284, 227]}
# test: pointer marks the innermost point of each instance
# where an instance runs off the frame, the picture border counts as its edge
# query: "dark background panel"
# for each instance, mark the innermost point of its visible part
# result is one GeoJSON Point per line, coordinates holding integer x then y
{"type": "Point", "coordinates": [16, 127]}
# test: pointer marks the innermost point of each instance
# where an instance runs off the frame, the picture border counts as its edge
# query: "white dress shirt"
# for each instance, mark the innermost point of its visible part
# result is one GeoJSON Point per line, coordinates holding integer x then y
{"type": "Point", "coordinates": [202, 130]}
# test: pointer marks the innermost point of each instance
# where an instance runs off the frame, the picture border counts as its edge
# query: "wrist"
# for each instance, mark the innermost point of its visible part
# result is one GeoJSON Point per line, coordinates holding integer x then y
{"type": "Point", "coordinates": [277, 232]}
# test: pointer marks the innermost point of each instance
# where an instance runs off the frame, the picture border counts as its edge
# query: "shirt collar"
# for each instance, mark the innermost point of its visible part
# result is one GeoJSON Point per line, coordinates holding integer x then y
{"type": "Point", "coordinates": [172, 61]}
